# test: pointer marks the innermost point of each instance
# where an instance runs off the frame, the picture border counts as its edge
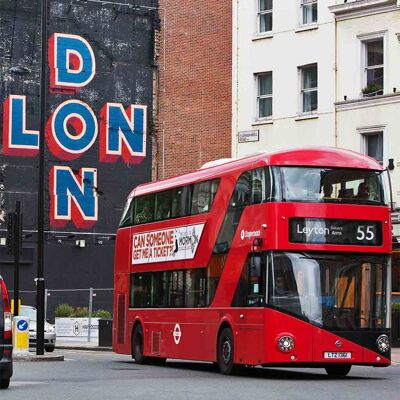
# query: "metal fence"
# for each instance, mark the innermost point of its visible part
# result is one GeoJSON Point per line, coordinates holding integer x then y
{"type": "Point", "coordinates": [92, 299]}
{"type": "Point", "coordinates": [86, 302]}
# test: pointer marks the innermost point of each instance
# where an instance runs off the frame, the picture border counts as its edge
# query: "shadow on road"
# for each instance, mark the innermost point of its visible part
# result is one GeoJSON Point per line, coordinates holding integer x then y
{"type": "Point", "coordinates": [257, 372]}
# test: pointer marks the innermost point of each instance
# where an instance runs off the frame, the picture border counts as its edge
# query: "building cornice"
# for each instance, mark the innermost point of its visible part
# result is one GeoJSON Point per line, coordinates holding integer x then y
{"type": "Point", "coordinates": [361, 8]}
{"type": "Point", "coordinates": [367, 102]}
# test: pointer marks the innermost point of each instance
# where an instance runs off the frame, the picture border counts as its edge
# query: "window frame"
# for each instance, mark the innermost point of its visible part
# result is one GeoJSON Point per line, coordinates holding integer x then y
{"type": "Point", "coordinates": [177, 290]}
{"type": "Point", "coordinates": [365, 132]}
{"type": "Point", "coordinates": [307, 90]}
{"type": "Point", "coordinates": [364, 68]}
{"type": "Point", "coordinates": [303, 4]}
{"type": "Point", "coordinates": [260, 14]}
{"type": "Point", "coordinates": [188, 192]}
{"type": "Point", "coordinates": [260, 97]}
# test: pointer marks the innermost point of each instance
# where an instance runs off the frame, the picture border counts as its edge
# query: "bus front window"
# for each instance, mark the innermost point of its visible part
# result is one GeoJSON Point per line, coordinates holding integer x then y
{"type": "Point", "coordinates": [337, 292]}
{"type": "Point", "coordinates": [330, 185]}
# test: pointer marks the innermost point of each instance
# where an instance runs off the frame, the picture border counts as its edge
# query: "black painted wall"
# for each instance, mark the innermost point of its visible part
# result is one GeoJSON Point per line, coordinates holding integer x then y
{"type": "Point", "coordinates": [122, 37]}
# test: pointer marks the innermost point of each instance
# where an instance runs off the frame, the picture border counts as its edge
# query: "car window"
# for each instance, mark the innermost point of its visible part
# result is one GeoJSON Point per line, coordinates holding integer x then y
{"type": "Point", "coordinates": [28, 312]}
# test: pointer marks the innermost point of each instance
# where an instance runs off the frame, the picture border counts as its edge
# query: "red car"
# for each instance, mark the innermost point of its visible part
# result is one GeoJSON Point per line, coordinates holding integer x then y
{"type": "Point", "coordinates": [6, 366]}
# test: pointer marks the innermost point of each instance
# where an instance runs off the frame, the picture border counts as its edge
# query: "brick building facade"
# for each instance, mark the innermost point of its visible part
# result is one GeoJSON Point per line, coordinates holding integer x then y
{"type": "Point", "coordinates": [193, 92]}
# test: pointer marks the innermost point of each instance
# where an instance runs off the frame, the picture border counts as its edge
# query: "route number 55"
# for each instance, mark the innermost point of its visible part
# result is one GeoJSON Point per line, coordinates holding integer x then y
{"type": "Point", "coordinates": [365, 232]}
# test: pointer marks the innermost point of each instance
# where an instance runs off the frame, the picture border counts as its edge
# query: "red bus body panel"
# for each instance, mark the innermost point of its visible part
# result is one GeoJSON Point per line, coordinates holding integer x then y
{"type": "Point", "coordinates": [255, 329]}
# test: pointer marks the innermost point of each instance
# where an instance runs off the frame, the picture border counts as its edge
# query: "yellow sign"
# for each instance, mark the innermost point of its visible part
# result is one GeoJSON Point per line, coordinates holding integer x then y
{"type": "Point", "coordinates": [21, 334]}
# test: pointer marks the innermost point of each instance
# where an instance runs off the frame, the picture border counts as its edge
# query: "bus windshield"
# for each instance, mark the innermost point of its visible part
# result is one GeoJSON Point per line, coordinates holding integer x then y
{"type": "Point", "coordinates": [344, 185]}
{"type": "Point", "coordinates": [334, 291]}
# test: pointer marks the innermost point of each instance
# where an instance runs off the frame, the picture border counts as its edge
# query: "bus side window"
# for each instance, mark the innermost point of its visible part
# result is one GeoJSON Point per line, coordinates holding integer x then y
{"type": "Point", "coordinates": [141, 290]}
{"type": "Point", "coordinates": [179, 202]}
{"type": "Point", "coordinates": [127, 215]}
{"type": "Point", "coordinates": [260, 186]}
{"type": "Point", "coordinates": [241, 196]}
{"type": "Point", "coordinates": [163, 205]}
{"type": "Point", "coordinates": [144, 209]}
{"type": "Point", "coordinates": [195, 288]}
{"type": "Point", "coordinates": [203, 195]}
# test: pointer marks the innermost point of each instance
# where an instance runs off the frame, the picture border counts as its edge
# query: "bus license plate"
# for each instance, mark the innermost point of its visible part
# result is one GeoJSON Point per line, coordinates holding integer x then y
{"type": "Point", "coordinates": [337, 354]}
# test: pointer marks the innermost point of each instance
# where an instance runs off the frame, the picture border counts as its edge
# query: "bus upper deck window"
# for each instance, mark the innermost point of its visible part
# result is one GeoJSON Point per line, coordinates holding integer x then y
{"type": "Point", "coordinates": [127, 219]}
{"type": "Point", "coordinates": [203, 195]}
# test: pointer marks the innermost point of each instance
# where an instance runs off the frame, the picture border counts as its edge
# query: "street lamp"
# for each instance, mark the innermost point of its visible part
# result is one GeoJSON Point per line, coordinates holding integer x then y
{"type": "Point", "coordinates": [40, 283]}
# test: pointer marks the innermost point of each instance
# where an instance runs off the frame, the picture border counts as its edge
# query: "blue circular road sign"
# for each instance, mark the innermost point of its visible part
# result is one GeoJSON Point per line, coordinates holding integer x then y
{"type": "Point", "coordinates": [22, 325]}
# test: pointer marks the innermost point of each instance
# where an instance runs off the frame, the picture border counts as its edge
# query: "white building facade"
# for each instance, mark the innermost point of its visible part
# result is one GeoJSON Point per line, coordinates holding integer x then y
{"type": "Point", "coordinates": [283, 74]}
{"type": "Point", "coordinates": [368, 81]}
{"type": "Point", "coordinates": [313, 72]}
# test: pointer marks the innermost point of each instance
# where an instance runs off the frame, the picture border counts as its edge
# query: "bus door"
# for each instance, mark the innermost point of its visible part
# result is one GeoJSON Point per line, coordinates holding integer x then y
{"type": "Point", "coordinates": [248, 310]}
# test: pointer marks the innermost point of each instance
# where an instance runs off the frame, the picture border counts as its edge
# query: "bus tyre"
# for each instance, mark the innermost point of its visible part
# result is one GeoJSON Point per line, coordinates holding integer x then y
{"type": "Point", "coordinates": [137, 344]}
{"type": "Point", "coordinates": [225, 351]}
{"type": "Point", "coordinates": [337, 371]}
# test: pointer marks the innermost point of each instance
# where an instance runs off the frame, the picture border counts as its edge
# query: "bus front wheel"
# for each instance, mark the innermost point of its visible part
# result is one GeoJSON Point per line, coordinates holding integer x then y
{"type": "Point", "coordinates": [137, 344]}
{"type": "Point", "coordinates": [337, 371]}
{"type": "Point", "coordinates": [225, 351]}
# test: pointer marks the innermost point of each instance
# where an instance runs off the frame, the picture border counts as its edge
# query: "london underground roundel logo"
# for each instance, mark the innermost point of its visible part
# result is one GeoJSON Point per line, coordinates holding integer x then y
{"type": "Point", "coordinates": [177, 333]}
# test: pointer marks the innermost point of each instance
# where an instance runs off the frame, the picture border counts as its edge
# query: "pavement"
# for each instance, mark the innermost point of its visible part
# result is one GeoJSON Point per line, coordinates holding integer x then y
{"type": "Point", "coordinates": [81, 345]}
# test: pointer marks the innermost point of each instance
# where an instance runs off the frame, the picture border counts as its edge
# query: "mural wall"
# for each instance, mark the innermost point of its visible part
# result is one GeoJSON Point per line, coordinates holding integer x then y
{"type": "Point", "coordinates": [100, 74]}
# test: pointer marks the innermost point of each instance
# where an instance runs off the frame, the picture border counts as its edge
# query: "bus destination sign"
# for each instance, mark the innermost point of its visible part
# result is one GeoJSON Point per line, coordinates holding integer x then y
{"type": "Point", "coordinates": [335, 231]}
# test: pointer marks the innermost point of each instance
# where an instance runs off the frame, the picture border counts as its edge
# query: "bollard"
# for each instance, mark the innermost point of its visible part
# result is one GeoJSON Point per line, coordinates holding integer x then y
{"type": "Point", "coordinates": [21, 335]}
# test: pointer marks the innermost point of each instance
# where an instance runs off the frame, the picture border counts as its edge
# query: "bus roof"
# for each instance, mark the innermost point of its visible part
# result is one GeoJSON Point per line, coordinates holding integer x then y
{"type": "Point", "coordinates": [307, 156]}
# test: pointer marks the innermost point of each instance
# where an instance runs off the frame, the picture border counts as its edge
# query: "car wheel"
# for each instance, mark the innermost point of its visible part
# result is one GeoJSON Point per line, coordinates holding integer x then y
{"type": "Point", "coordinates": [49, 349]}
{"type": "Point", "coordinates": [225, 351]}
{"type": "Point", "coordinates": [337, 371]}
{"type": "Point", "coordinates": [137, 345]}
{"type": "Point", "coordinates": [4, 383]}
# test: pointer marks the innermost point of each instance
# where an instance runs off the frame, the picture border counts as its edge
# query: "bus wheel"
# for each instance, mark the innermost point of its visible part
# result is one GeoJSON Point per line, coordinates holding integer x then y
{"type": "Point", "coordinates": [337, 371]}
{"type": "Point", "coordinates": [137, 344]}
{"type": "Point", "coordinates": [225, 351]}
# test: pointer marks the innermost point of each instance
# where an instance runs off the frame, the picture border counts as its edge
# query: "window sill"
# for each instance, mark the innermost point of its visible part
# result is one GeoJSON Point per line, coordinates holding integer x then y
{"type": "Point", "coordinates": [260, 36]}
{"type": "Point", "coordinates": [368, 101]}
{"type": "Point", "coordinates": [305, 28]}
{"type": "Point", "coordinates": [268, 121]}
{"type": "Point", "coordinates": [303, 117]}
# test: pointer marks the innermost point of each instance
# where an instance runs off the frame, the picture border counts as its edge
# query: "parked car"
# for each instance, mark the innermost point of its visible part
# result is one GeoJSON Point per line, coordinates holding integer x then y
{"type": "Point", "coordinates": [49, 329]}
{"type": "Point", "coordinates": [6, 365]}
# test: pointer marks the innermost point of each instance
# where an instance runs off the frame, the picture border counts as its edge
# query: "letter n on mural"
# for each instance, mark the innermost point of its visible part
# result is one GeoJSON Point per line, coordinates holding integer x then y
{"type": "Point", "coordinates": [73, 196]}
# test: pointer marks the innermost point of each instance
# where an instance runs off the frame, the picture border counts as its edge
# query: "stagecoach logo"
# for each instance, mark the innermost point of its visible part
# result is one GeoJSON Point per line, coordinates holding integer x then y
{"type": "Point", "coordinates": [166, 245]}
{"type": "Point", "coordinates": [177, 334]}
{"type": "Point", "coordinates": [249, 234]}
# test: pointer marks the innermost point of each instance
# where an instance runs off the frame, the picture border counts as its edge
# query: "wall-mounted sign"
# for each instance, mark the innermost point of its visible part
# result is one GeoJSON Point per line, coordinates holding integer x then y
{"type": "Point", "coordinates": [249, 136]}
{"type": "Point", "coordinates": [335, 231]}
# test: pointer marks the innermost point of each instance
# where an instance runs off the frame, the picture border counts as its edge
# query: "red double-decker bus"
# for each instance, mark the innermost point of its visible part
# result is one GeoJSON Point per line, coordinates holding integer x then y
{"type": "Point", "coordinates": [275, 259]}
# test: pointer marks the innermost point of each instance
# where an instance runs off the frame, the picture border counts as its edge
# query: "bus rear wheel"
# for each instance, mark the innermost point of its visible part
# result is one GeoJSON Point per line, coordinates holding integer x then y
{"type": "Point", "coordinates": [337, 371]}
{"type": "Point", "coordinates": [137, 344]}
{"type": "Point", "coordinates": [225, 351]}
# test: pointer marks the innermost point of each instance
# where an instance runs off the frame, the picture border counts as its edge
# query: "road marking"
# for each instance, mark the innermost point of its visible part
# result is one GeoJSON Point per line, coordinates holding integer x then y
{"type": "Point", "coordinates": [25, 383]}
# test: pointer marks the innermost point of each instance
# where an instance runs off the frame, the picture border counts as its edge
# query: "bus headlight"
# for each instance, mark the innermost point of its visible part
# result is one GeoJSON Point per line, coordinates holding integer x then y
{"type": "Point", "coordinates": [383, 343]}
{"type": "Point", "coordinates": [286, 344]}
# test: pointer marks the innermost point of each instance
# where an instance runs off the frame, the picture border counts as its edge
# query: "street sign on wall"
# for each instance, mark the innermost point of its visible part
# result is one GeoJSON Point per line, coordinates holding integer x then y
{"type": "Point", "coordinates": [249, 136]}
